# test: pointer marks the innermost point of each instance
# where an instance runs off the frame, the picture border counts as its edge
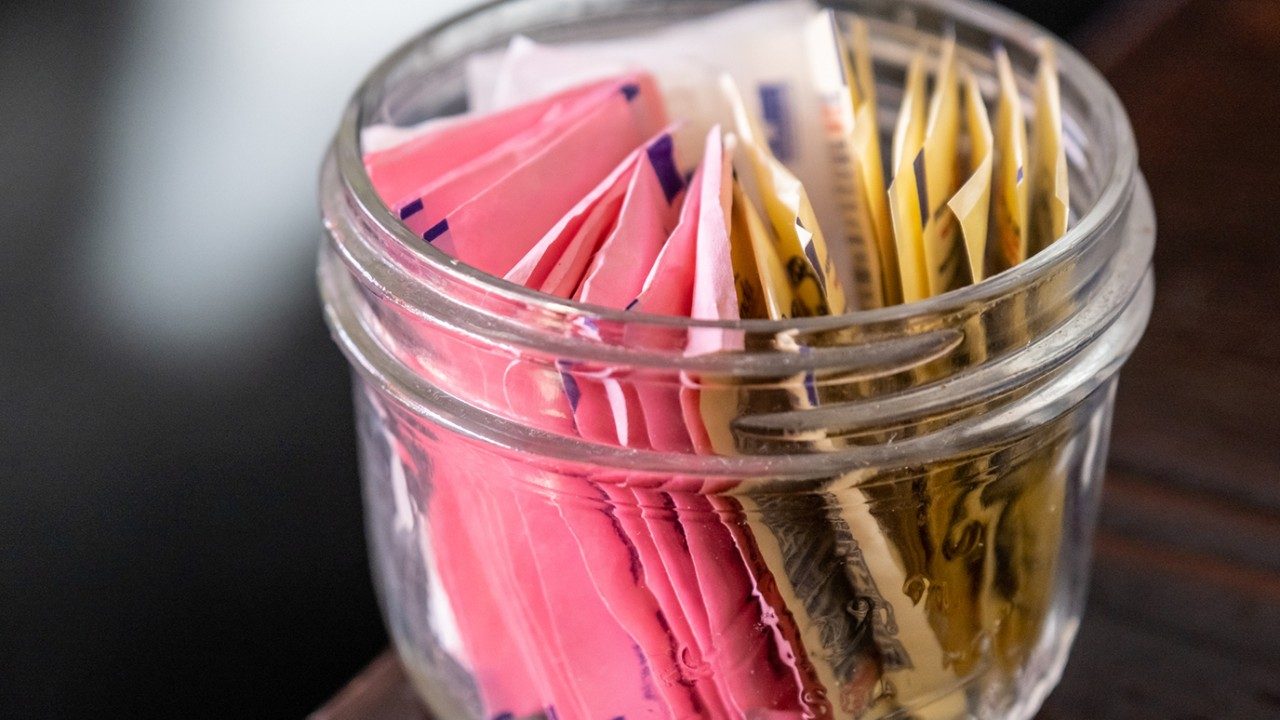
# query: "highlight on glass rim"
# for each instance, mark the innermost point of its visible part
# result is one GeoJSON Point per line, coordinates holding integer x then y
{"type": "Point", "coordinates": [734, 361]}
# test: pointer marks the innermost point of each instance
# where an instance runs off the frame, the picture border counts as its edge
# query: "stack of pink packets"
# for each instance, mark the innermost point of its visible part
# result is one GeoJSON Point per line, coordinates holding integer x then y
{"type": "Point", "coordinates": [581, 195]}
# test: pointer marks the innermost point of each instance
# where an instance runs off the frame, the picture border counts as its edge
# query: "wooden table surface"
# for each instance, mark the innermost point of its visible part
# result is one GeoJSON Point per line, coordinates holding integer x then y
{"type": "Point", "coordinates": [1183, 619]}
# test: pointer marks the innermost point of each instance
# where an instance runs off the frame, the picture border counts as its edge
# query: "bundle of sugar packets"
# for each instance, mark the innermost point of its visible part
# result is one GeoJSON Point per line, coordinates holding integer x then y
{"type": "Point", "coordinates": [726, 168]}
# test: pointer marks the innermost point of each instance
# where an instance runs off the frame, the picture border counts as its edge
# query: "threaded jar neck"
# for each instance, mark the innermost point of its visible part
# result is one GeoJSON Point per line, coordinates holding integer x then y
{"type": "Point", "coordinates": [1013, 348]}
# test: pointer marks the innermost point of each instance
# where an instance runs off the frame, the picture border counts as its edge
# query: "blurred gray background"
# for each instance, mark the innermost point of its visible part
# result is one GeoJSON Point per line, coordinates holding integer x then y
{"type": "Point", "coordinates": [180, 524]}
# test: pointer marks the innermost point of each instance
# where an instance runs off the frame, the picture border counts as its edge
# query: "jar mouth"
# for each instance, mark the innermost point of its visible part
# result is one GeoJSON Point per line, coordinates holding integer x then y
{"type": "Point", "coordinates": [967, 367]}
{"type": "Point", "coordinates": [1115, 187]}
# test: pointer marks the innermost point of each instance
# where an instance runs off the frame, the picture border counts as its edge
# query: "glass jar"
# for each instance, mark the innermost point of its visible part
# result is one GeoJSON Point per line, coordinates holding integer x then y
{"type": "Point", "coordinates": [913, 541]}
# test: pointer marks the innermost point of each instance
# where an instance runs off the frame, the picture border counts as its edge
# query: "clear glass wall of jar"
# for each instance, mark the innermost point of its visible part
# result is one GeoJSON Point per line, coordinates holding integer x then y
{"type": "Point", "coordinates": [915, 543]}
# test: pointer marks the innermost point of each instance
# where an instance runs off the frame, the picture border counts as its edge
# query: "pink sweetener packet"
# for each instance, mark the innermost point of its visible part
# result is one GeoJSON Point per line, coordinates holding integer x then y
{"type": "Point", "coordinates": [715, 296]}
{"type": "Point", "coordinates": [688, 278]}
{"type": "Point", "coordinates": [527, 389]}
{"type": "Point", "coordinates": [614, 264]}
{"type": "Point", "coordinates": [674, 552]}
{"type": "Point", "coordinates": [497, 226]}
{"type": "Point", "coordinates": [750, 652]}
{"type": "Point", "coordinates": [451, 189]}
{"type": "Point", "coordinates": [642, 192]}
{"type": "Point", "coordinates": [604, 409]}
{"type": "Point", "coordinates": [545, 614]}
{"type": "Point", "coordinates": [630, 590]}
{"type": "Point", "coordinates": [532, 628]}
{"type": "Point", "coordinates": [799, 691]}
{"type": "Point", "coordinates": [402, 172]}
{"type": "Point", "coordinates": [532, 556]}
{"type": "Point", "coordinates": [550, 598]}
{"type": "Point", "coordinates": [692, 277]}
{"type": "Point", "coordinates": [577, 233]}
{"type": "Point", "coordinates": [587, 637]}
{"type": "Point", "coordinates": [658, 584]}
{"type": "Point", "coordinates": [637, 510]}
{"type": "Point", "coordinates": [617, 278]}
{"type": "Point", "coordinates": [522, 387]}
{"type": "Point", "coordinates": [668, 290]}
{"type": "Point", "coordinates": [766, 672]}
{"type": "Point", "coordinates": [579, 608]}
{"type": "Point", "coordinates": [504, 678]}
{"type": "Point", "coordinates": [584, 225]}
{"type": "Point", "coordinates": [746, 651]}
{"type": "Point", "coordinates": [648, 215]}
{"type": "Point", "coordinates": [539, 638]}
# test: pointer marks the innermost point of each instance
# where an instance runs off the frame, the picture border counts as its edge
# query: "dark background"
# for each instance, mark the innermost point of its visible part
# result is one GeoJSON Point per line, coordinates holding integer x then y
{"type": "Point", "coordinates": [180, 524]}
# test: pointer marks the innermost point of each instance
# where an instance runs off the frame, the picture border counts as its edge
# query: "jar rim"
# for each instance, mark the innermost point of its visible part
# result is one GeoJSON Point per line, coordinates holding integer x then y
{"type": "Point", "coordinates": [1115, 188]}
{"type": "Point", "coordinates": [1082, 329]}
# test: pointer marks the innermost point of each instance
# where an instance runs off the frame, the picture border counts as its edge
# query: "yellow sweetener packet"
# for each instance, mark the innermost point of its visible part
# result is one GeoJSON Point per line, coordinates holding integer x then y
{"type": "Point", "coordinates": [1007, 233]}
{"type": "Point", "coordinates": [800, 244]}
{"type": "Point", "coordinates": [764, 291]}
{"type": "Point", "coordinates": [848, 673]}
{"type": "Point", "coordinates": [943, 254]}
{"type": "Point", "coordinates": [971, 205]}
{"type": "Point", "coordinates": [906, 208]}
{"type": "Point", "coordinates": [1049, 194]}
{"type": "Point", "coordinates": [843, 77]}
{"type": "Point", "coordinates": [868, 160]}
{"type": "Point", "coordinates": [742, 253]}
